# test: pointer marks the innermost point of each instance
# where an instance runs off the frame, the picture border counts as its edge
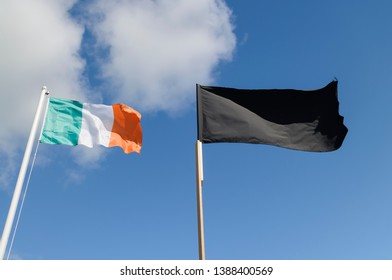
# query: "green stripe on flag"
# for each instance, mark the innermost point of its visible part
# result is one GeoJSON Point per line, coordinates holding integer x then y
{"type": "Point", "coordinates": [63, 122]}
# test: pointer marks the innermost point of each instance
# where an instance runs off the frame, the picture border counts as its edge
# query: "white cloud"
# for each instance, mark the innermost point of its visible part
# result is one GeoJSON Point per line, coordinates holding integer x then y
{"type": "Point", "coordinates": [160, 49]}
{"type": "Point", "coordinates": [39, 45]}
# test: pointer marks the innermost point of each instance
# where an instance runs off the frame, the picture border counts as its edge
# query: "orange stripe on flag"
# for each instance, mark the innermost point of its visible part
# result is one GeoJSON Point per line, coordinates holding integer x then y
{"type": "Point", "coordinates": [126, 130]}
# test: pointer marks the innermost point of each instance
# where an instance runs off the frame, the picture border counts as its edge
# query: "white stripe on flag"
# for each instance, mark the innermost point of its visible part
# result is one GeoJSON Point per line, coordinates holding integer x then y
{"type": "Point", "coordinates": [97, 123]}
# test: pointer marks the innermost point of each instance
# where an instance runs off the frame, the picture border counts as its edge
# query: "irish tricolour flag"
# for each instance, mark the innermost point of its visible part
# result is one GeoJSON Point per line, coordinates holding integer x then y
{"type": "Point", "coordinates": [71, 122]}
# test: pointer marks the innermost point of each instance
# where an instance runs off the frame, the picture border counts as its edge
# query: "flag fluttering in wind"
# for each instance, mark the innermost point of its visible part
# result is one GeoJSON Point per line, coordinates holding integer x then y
{"type": "Point", "coordinates": [71, 122]}
{"type": "Point", "coordinates": [305, 120]}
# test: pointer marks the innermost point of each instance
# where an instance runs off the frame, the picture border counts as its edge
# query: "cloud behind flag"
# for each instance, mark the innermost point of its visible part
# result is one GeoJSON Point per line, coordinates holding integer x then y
{"type": "Point", "coordinates": [154, 51]}
{"type": "Point", "coordinates": [305, 120]}
{"type": "Point", "coordinates": [73, 123]}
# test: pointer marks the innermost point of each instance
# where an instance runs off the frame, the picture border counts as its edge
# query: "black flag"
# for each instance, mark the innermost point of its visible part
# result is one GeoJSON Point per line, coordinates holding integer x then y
{"type": "Point", "coordinates": [306, 120]}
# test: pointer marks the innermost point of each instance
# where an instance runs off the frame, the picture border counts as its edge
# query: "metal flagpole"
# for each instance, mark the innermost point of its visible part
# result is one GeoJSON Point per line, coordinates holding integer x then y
{"type": "Point", "coordinates": [199, 185]}
{"type": "Point", "coordinates": [22, 173]}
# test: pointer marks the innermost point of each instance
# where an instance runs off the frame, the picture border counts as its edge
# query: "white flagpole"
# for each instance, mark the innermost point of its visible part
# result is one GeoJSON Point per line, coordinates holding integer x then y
{"type": "Point", "coordinates": [22, 173]}
{"type": "Point", "coordinates": [199, 185]}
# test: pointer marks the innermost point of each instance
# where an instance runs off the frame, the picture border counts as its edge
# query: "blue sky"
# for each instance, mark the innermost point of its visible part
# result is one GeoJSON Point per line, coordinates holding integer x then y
{"type": "Point", "coordinates": [260, 202]}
